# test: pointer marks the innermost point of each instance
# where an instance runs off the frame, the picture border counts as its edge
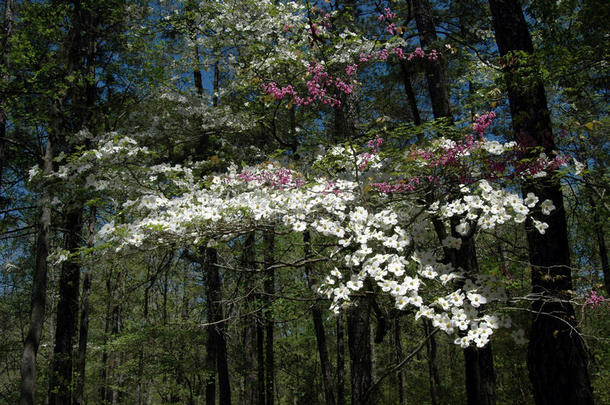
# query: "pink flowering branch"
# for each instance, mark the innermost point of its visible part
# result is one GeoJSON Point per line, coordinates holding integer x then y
{"type": "Point", "coordinates": [593, 299]}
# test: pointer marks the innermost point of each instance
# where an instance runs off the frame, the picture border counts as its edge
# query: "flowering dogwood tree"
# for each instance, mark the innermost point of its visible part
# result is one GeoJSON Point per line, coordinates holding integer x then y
{"type": "Point", "coordinates": [368, 200]}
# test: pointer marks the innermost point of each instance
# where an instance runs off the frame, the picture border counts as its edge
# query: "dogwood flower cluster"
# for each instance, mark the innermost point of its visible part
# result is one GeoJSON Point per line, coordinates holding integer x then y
{"type": "Point", "coordinates": [374, 244]}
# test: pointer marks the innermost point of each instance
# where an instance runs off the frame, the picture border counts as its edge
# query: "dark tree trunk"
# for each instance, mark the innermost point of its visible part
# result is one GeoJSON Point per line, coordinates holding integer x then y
{"type": "Point", "coordinates": [260, 361]}
{"type": "Point", "coordinates": [249, 390]}
{"type": "Point", "coordinates": [406, 81]}
{"type": "Point", "coordinates": [434, 380]}
{"type": "Point", "coordinates": [340, 361]}
{"type": "Point", "coordinates": [224, 387]}
{"type": "Point", "coordinates": [216, 345]}
{"type": "Point", "coordinates": [435, 73]}
{"type": "Point", "coordinates": [39, 286]}
{"type": "Point", "coordinates": [359, 342]}
{"type": "Point", "coordinates": [480, 374]}
{"type": "Point", "coordinates": [60, 386]}
{"type": "Point", "coordinates": [111, 329]}
{"type": "Point", "coordinates": [556, 355]}
{"type": "Point", "coordinates": [113, 392]}
{"type": "Point", "coordinates": [82, 341]}
{"type": "Point", "coordinates": [318, 325]}
{"type": "Point", "coordinates": [399, 355]}
{"type": "Point", "coordinates": [480, 388]}
{"type": "Point", "coordinates": [598, 226]}
{"type": "Point", "coordinates": [104, 368]}
{"type": "Point", "coordinates": [197, 73]}
{"type": "Point", "coordinates": [269, 289]}
{"type": "Point", "coordinates": [84, 321]}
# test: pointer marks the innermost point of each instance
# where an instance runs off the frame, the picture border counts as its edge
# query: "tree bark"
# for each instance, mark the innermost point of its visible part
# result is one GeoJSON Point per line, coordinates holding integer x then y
{"type": "Point", "coordinates": [434, 380]}
{"type": "Point", "coordinates": [224, 386]}
{"type": "Point", "coordinates": [340, 360]}
{"type": "Point", "coordinates": [399, 356]}
{"type": "Point", "coordinates": [406, 81]}
{"type": "Point", "coordinates": [39, 285]}
{"type": "Point", "coordinates": [318, 325]}
{"type": "Point", "coordinates": [480, 374]}
{"type": "Point", "coordinates": [598, 227]}
{"type": "Point", "coordinates": [556, 356]}
{"type": "Point", "coordinates": [84, 320]}
{"type": "Point", "coordinates": [359, 342]}
{"type": "Point", "coordinates": [260, 361]}
{"type": "Point", "coordinates": [249, 390]}
{"type": "Point", "coordinates": [269, 289]}
{"type": "Point", "coordinates": [435, 73]}
{"type": "Point", "coordinates": [60, 385]}
{"type": "Point", "coordinates": [216, 344]}
{"type": "Point", "coordinates": [111, 329]}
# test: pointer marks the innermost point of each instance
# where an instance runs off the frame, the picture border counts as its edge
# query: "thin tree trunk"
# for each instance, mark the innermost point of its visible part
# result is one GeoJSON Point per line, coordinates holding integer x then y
{"type": "Point", "coordinates": [249, 332]}
{"type": "Point", "coordinates": [480, 375]}
{"type": "Point", "coordinates": [112, 393]}
{"type": "Point", "coordinates": [556, 356]}
{"type": "Point", "coordinates": [111, 329]}
{"type": "Point", "coordinates": [318, 325]}
{"type": "Point", "coordinates": [216, 359]}
{"type": "Point", "coordinates": [104, 367]}
{"type": "Point", "coordinates": [84, 320]}
{"type": "Point", "coordinates": [269, 289]}
{"type": "Point", "coordinates": [260, 361]}
{"type": "Point", "coordinates": [598, 227]}
{"type": "Point", "coordinates": [39, 286]}
{"type": "Point", "coordinates": [211, 349]}
{"type": "Point", "coordinates": [406, 81]}
{"type": "Point", "coordinates": [197, 73]}
{"type": "Point", "coordinates": [433, 376]}
{"type": "Point", "coordinates": [219, 327]}
{"type": "Point", "coordinates": [340, 360]}
{"type": "Point", "coordinates": [399, 355]}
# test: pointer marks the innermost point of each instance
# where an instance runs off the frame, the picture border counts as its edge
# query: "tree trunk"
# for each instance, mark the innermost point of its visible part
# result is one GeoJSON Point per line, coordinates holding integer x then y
{"type": "Point", "coordinates": [480, 375]}
{"type": "Point", "coordinates": [249, 393]}
{"type": "Point", "coordinates": [269, 287]}
{"type": "Point", "coordinates": [340, 361]}
{"type": "Point", "coordinates": [60, 385]}
{"type": "Point", "coordinates": [216, 360]}
{"type": "Point", "coordinates": [260, 361]}
{"type": "Point", "coordinates": [318, 325]}
{"type": "Point", "coordinates": [556, 357]}
{"type": "Point", "coordinates": [197, 73]}
{"type": "Point", "coordinates": [217, 330]}
{"type": "Point", "coordinates": [215, 342]}
{"type": "Point", "coordinates": [111, 329]}
{"type": "Point", "coordinates": [84, 321]}
{"type": "Point", "coordinates": [39, 286]}
{"type": "Point", "coordinates": [435, 73]}
{"type": "Point", "coordinates": [598, 226]}
{"type": "Point", "coordinates": [433, 376]}
{"type": "Point", "coordinates": [359, 342]}
{"type": "Point", "coordinates": [399, 355]}
{"type": "Point", "coordinates": [406, 81]}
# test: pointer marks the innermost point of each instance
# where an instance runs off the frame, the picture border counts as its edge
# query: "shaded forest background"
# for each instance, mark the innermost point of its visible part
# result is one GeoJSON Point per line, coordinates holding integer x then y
{"type": "Point", "coordinates": [239, 322]}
